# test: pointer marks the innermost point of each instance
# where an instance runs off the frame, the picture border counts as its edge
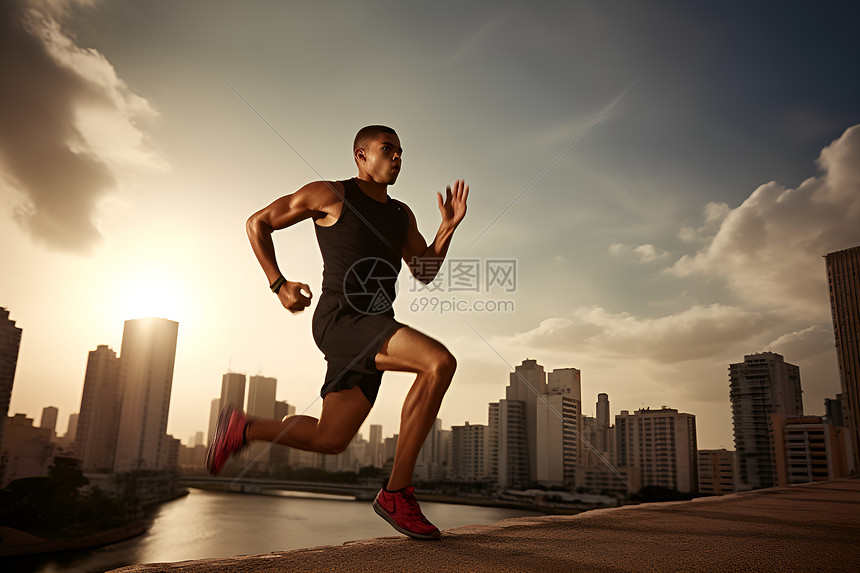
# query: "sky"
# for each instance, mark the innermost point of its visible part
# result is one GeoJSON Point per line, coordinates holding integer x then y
{"type": "Point", "coordinates": [667, 178]}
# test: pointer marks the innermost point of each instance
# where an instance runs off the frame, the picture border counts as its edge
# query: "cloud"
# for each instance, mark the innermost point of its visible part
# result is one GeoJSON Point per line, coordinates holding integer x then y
{"type": "Point", "coordinates": [806, 344]}
{"type": "Point", "coordinates": [695, 333]}
{"type": "Point", "coordinates": [769, 249]}
{"type": "Point", "coordinates": [647, 253]}
{"type": "Point", "coordinates": [68, 124]}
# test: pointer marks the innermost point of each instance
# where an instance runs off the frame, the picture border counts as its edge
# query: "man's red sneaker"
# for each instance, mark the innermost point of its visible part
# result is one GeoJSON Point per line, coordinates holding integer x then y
{"type": "Point", "coordinates": [401, 510]}
{"type": "Point", "coordinates": [229, 438]}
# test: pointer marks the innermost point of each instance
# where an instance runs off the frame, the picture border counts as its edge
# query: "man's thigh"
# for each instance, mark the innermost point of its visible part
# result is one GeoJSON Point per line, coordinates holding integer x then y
{"type": "Point", "coordinates": [343, 412]}
{"type": "Point", "coordinates": [408, 350]}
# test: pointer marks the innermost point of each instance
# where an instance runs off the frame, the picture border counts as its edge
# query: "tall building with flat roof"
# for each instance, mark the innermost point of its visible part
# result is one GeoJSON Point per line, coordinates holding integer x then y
{"type": "Point", "coordinates": [374, 446]}
{"type": "Point", "coordinates": [761, 385]}
{"type": "Point", "coordinates": [527, 383]}
{"type": "Point", "coordinates": [469, 453]}
{"type": "Point", "coordinates": [662, 444]}
{"type": "Point", "coordinates": [49, 419]}
{"type": "Point", "coordinates": [146, 378]}
{"type": "Point", "coordinates": [843, 278]}
{"type": "Point", "coordinates": [10, 342]}
{"type": "Point", "coordinates": [716, 472]}
{"type": "Point", "coordinates": [98, 420]}
{"type": "Point", "coordinates": [512, 456]}
{"type": "Point", "coordinates": [214, 410]}
{"type": "Point", "coordinates": [233, 390]}
{"type": "Point", "coordinates": [806, 449]}
{"type": "Point", "coordinates": [261, 404]}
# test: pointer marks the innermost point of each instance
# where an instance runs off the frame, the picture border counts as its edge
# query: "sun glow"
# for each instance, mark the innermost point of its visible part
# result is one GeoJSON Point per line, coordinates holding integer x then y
{"type": "Point", "coordinates": [159, 293]}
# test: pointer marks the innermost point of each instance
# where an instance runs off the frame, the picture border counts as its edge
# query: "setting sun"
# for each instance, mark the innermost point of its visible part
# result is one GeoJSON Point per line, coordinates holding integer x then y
{"type": "Point", "coordinates": [153, 292]}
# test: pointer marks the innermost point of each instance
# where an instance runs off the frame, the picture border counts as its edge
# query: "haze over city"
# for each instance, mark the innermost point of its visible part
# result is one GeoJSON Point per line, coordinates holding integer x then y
{"type": "Point", "coordinates": [667, 179]}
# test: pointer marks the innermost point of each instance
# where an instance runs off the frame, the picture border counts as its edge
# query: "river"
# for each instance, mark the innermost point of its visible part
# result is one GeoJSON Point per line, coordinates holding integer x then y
{"type": "Point", "coordinates": [207, 524]}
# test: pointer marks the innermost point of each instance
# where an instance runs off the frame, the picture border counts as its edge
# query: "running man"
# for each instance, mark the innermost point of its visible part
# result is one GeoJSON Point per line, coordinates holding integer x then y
{"type": "Point", "coordinates": [363, 234]}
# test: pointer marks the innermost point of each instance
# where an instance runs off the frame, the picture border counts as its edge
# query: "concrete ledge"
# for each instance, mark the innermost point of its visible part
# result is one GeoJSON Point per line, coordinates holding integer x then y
{"type": "Point", "coordinates": [813, 527]}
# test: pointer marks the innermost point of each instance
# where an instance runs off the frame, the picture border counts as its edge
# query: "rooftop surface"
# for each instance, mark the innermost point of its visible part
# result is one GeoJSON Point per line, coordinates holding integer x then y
{"type": "Point", "coordinates": [812, 527]}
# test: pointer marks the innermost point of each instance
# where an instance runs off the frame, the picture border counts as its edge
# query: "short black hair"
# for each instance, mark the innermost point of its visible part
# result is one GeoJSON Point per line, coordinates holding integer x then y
{"type": "Point", "coordinates": [365, 134]}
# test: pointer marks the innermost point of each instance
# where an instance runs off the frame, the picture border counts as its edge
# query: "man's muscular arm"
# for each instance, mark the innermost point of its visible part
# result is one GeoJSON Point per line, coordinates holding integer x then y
{"type": "Point", "coordinates": [416, 250]}
{"type": "Point", "coordinates": [314, 200]}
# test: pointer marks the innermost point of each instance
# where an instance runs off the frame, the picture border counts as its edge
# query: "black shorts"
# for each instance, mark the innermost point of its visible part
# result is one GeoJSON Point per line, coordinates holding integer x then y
{"type": "Point", "coordinates": [350, 341]}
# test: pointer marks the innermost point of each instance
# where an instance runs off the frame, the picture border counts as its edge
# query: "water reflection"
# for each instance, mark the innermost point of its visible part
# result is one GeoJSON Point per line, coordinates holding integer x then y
{"type": "Point", "coordinates": [212, 524]}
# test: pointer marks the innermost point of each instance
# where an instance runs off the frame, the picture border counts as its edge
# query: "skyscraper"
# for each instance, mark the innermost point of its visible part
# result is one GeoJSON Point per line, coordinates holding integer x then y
{"type": "Point", "coordinates": [146, 378]}
{"type": "Point", "coordinates": [761, 385]}
{"type": "Point", "coordinates": [843, 276]}
{"type": "Point", "coordinates": [98, 420]}
{"type": "Point", "coordinates": [512, 456]}
{"type": "Point", "coordinates": [233, 390]}
{"type": "Point", "coordinates": [214, 409]}
{"type": "Point", "coordinates": [805, 449]}
{"type": "Point", "coordinates": [49, 419]}
{"type": "Point", "coordinates": [662, 444]}
{"type": "Point", "coordinates": [469, 452]}
{"type": "Point", "coordinates": [559, 427]}
{"type": "Point", "coordinates": [375, 446]}
{"type": "Point", "coordinates": [716, 472]}
{"type": "Point", "coordinates": [527, 383]}
{"type": "Point", "coordinates": [10, 342]}
{"type": "Point", "coordinates": [261, 404]}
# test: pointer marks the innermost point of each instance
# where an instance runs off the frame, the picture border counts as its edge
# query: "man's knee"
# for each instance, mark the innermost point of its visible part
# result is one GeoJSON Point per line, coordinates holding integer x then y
{"type": "Point", "coordinates": [448, 363]}
{"type": "Point", "coordinates": [332, 444]}
{"type": "Point", "coordinates": [444, 365]}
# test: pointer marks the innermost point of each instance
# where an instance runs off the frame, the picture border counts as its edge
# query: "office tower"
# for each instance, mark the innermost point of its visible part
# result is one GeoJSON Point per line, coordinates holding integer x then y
{"type": "Point", "coordinates": [72, 428]}
{"type": "Point", "coordinates": [261, 404]}
{"type": "Point", "coordinates": [843, 276]}
{"type": "Point", "coordinates": [389, 448]}
{"type": "Point", "coordinates": [98, 420]}
{"type": "Point", "coordinates": [662, 444]}
{"type": "Point", "coordinates": [493, 441]}
{"type": "Point", "coordinates": [559, 427]}
{"type": "Point", "coordinates": [805, 449]}
{"type": "Point", "coordinates": [470, 459]}
{"type": "Point", "coordinates": [214, 410]}
{"type": "Point", "coordinates": [198, 439]}
{"type": "Point", "coordinates": [10, 342]}
{"type": "Point", "coordinates": [428, 466]}
{"type": "Point", "coordinates": [445, 451]}
{"type": "Point", "coordinates": [233, 390]}
{"type": "Point", "coordinates": [527, 383]}
{"type": "Point", "coordinates": [49, 419]}
{"type": "Point", "coordinates": [602, 409]}
{"type": "Point", "coordinates": [513, 467]}
{"type": "Point", "coordinates": [146, 378]}
{"type": "Point", "coordinates": [716, 472]}
{"type": "Point", "coordinates": [281, 455]}
{"type": "Point", "coordinates": [375, 446]}
{"type": "Point", "coordinates": [261, 397]}
{"type": "Point", "coordinates": [761, 385]}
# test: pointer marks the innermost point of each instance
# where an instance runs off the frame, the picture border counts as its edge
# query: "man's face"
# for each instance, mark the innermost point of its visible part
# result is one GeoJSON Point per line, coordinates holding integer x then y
{"type": "Point", "coordinates": [383, 158]}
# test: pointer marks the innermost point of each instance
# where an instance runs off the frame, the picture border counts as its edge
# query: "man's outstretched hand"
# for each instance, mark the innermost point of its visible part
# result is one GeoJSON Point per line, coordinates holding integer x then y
{"type": "Point", "coordinates": [454, 208]}
{"type": "Point", "coordinates": [292, 297]}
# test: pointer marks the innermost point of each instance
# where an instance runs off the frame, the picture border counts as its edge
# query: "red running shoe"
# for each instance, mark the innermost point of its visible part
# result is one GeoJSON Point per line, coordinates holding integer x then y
{"type": "Point", "coordinates": [229, 438]}
{"type": "Point", "coordinates": [401, 510]}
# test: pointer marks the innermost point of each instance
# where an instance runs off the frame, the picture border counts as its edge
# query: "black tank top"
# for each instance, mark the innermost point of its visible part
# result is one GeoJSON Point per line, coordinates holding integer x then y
{"type": "Point", "coordinates": [362, 250]}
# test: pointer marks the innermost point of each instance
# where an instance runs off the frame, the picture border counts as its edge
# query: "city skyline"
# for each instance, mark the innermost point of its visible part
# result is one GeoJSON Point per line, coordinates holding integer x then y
{"type": "Point", "coordinates": [667, 179]}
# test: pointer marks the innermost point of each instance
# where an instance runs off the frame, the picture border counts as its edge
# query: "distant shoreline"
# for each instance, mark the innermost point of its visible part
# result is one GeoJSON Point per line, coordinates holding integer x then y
{"type": "Point", "coordinates": [14, 542]}
{"type": "Point", "coordinates": [438, 498]}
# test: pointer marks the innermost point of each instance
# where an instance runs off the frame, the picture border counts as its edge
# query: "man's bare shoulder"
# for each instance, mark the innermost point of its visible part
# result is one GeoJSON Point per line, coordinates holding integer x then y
{"type": "Point", "coordinates": [320, 194]}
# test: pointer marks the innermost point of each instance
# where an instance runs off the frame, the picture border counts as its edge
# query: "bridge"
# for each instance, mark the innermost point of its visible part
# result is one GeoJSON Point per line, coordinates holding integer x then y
{"type": "Point", "coordinates": [257, 485]}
